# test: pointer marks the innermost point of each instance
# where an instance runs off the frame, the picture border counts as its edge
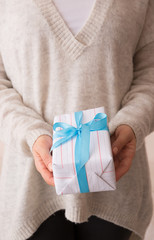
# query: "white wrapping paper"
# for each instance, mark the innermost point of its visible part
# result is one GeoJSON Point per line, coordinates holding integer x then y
{"type": "Point", "coordinates": [100, 169]}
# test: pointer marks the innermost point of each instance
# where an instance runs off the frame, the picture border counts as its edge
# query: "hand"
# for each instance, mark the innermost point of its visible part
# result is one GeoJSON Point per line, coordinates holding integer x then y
{"type": "Point", "coordinates": [123, 143]}
{"type": "Point", "coordinates": [43, 158]}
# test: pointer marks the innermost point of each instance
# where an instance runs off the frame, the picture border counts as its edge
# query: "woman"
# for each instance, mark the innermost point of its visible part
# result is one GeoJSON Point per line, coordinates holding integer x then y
{"type": "Point", "coordinates": [46, 70]}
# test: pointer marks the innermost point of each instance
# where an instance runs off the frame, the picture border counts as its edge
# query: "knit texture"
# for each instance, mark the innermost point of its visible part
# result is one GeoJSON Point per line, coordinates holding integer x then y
{"type": "Point", "coordinates": [45, 71]}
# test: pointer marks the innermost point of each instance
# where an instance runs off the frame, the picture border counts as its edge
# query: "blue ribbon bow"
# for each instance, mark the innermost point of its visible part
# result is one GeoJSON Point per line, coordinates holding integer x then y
{"type": "Point", "coordinates": [82, 143]}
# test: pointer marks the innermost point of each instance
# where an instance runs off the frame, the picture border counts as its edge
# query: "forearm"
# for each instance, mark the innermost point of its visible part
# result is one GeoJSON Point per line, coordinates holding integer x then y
{"type": "Point", "coordinates": [137, 107]}
{"type": "Point", "coordinates": [19, 124]}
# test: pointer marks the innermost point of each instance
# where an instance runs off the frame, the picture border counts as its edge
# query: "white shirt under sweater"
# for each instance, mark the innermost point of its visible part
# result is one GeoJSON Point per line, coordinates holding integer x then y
{"type": "Point", "coordinates": [75, 12]}
{"type": "Point", "coordinates": [46, 71]}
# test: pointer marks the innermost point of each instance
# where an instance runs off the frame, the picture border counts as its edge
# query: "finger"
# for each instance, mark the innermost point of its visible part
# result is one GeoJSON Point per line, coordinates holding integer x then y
{"type": "Point", "coordinates": [116, 162]}
{"type": "Point", "coordinates": [119, 143]}
{"type": "Point", "coordinates": [122, 168]}
{"type": "Point", "coordinates": [42, 169]}
{"type": "Point", "coordinates": [112, 138]}
{"type": "Point", "coordinates": [46, 157]}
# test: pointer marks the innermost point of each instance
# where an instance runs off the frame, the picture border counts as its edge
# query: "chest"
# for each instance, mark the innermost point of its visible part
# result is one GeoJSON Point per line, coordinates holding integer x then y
{"type": "Point", "coordinates": [35, 25]}
{"type": "Point", "coordinates": [75, 13]}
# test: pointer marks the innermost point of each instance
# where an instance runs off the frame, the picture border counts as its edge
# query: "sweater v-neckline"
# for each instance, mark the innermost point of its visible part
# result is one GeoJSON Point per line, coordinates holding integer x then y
{"type": "Point", "coordinates": [74, 44]}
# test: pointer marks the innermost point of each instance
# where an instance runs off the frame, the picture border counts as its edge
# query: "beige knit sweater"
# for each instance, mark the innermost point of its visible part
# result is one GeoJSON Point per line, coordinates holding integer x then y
{"type": "Point", "coordinates": [44, 71]}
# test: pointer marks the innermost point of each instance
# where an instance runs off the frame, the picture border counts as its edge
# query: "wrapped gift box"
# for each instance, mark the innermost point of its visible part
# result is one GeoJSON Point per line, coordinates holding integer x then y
{"type": "Point", "coordinates": [98, 172]}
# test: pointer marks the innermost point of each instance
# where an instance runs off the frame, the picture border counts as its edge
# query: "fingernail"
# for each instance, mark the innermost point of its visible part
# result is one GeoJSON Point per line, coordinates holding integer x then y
{"type": "Point", "coordinates": [115, 150]}
{"type": "Point", "coordinates": [50, 167]}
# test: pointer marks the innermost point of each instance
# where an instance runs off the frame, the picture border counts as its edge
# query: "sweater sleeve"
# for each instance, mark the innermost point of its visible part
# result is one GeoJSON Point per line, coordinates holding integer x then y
{"type": "Point", "coordinates": [137, 106]}
{"type": "Point", "coordinates": [20, 125]}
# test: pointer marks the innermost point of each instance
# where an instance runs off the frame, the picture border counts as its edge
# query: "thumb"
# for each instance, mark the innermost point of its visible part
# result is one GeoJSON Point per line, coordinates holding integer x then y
{"type": "Point", "coordinates": [46, 157]}
{"type": "Point", "coordinates": [42, 149]}
{"type": "Point", "coordinates": [120, 141]}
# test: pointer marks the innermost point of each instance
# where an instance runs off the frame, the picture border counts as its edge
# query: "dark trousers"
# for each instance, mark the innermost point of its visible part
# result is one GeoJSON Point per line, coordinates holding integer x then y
{"type": "Point", "coordinates": [57, 227]}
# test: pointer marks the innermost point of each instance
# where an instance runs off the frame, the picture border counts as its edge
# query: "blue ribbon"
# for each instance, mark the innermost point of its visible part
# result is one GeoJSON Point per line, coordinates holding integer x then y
{"type": "Point", "coordinates": [82, 143]}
